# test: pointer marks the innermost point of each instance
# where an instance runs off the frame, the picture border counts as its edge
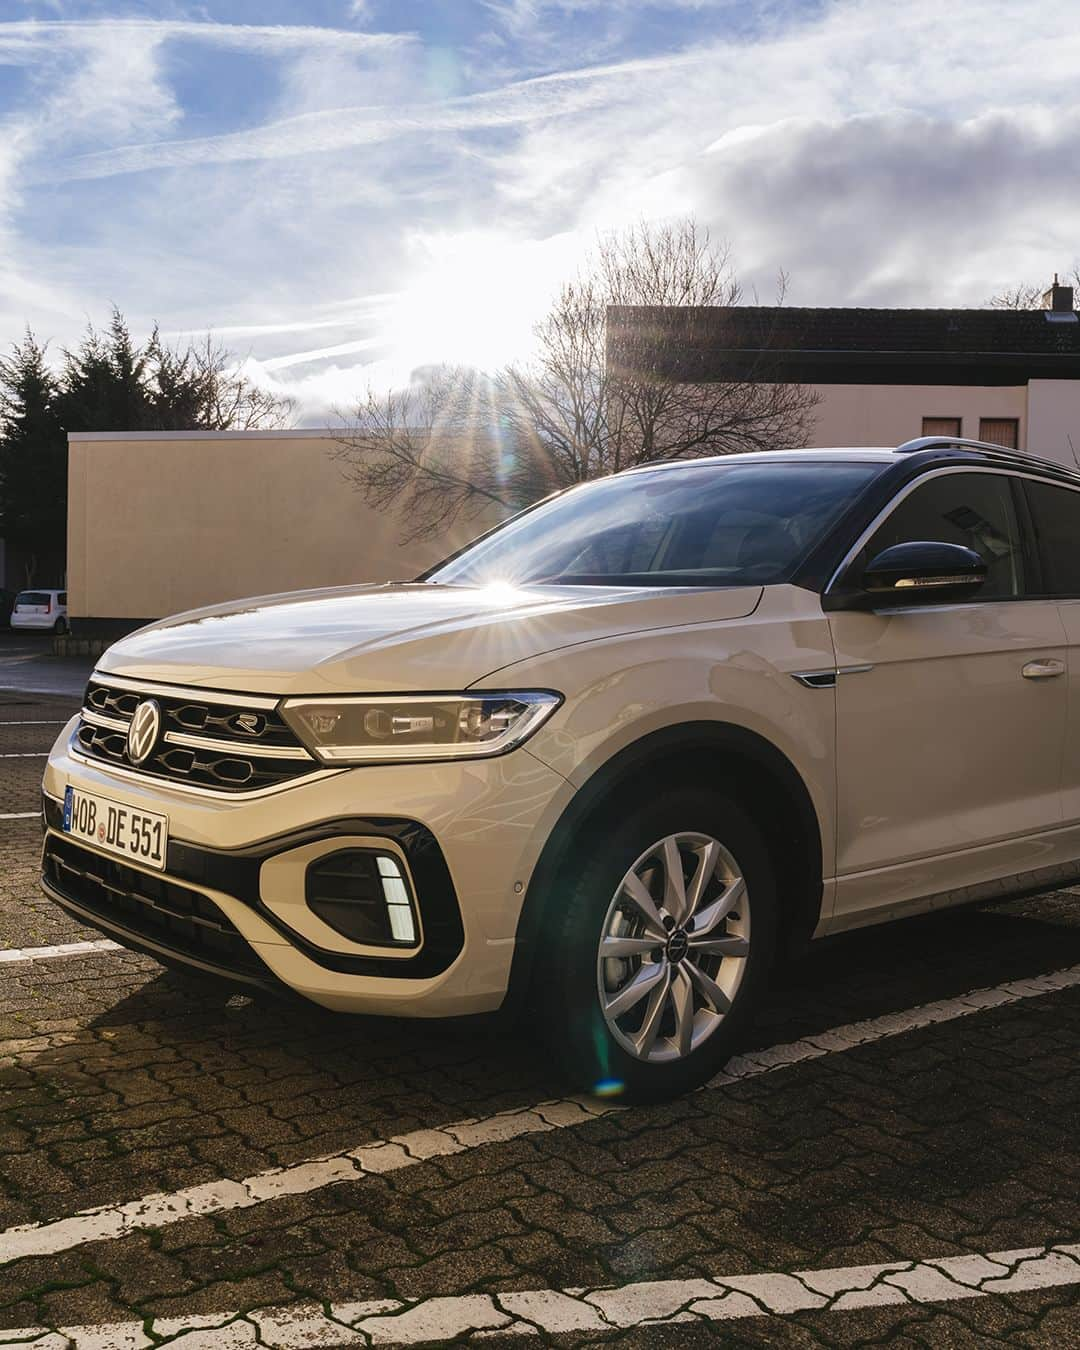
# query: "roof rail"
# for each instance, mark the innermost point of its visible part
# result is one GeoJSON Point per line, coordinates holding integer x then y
{"type": "Point", "coordinates": [944, 442]}
{"type": "Point", "coordinates": [1003, 452]}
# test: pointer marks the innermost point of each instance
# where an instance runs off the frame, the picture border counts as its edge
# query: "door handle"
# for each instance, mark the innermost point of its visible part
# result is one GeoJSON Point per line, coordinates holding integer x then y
{"type": "Point", "coordinates": [1045, 669]}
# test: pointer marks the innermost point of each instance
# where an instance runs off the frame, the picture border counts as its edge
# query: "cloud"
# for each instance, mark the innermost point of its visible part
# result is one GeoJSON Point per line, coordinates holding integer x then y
{"type": "Point", "coordinates": [114, 91]}
{"type": "Point", "coordinates": [521, 15]}
{"type": "Point", "coordinates": [899, 207]}
{"type": "Point", "coordinates": [322, 353]}
{"type": "Point", "coordinates": [94, 82]}
{"type": "Point", "coordinates": [879, 155]}
{"type": "Point", "coordinates": [20, 37]}
{"type": "Point", "coordinates": [347, 315]}
{"type": "Point", "coordinates": [522, 103]}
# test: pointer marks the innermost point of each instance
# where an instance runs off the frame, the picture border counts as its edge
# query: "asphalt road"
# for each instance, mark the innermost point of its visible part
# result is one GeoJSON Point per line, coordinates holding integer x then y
{"type": "Point", "coordinates": [893, 1160]}
{"type": "Point", "coordinates": [27, 663]}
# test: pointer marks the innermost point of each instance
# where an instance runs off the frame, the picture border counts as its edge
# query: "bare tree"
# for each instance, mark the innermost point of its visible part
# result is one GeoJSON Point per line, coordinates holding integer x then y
{"type": "Point", "coordinates": [433, 451]}
{"type": "Point", "coordinates": [592, 417]}
{"type": "Point", "coordinates": [1029, 296]}
{"type": "Point", "coordinates": [457, 444]}
{"type": "Point", "coordinates": [225, 398]}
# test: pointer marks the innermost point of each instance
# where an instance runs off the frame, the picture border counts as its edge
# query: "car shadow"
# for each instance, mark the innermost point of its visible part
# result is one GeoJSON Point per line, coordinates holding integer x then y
{"type": "Point", "coordinates": [490, 1062]}
{"type": "Point", "coordinates": [891, 967]}
{"type": "Point", "coordinates": [187, 1079]}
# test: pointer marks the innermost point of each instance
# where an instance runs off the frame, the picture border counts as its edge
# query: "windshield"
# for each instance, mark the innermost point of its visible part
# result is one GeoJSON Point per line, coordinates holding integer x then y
{"type": "Point", "coordinates": [730, 524]}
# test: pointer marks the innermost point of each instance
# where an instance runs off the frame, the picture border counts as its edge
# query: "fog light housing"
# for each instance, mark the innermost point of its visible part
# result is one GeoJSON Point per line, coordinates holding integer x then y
{"type": "Point", "coordinates": [365, 895]}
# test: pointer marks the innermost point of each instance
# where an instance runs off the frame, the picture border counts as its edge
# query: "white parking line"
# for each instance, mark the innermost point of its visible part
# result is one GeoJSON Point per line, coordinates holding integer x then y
{"type": "Point", "coordinates": [107, 1222]}
{"type": "Point", "coordinates": [24, 754]}
{"type": "Point", "coordinates": [39, 722]}
{"type": "Point", "coordinates": [20, 815]}
{"type": "Point", "coordinates": [12, 955]}
{"type": "Point", "coordinates": [551, 1312]}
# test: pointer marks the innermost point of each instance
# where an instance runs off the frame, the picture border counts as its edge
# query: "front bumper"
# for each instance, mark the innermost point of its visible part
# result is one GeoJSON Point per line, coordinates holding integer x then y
{"type": "Point", "coordinates": [231, 898]}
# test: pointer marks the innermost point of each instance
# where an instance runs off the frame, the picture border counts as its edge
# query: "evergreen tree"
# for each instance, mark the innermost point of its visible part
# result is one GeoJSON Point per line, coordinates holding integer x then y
{"type": "Point", "coordinates": [33, 459]}
{"type": "Point", "coordinates": [108, 383]}
{"type": "Point", "coordinates": [105, 384]}
{"type": "Point", "coordinates": [178, 386]}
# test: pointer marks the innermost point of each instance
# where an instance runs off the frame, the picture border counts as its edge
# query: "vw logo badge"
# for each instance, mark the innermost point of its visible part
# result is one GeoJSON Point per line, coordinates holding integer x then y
{"type": "Point", "coordinates": [143, 730]}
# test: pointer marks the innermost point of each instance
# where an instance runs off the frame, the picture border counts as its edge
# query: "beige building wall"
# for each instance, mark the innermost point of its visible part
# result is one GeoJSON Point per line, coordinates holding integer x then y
{"type": "Point", "coordinates": [159, 523]}
{"type": "Point", "coordinates": [1054, 420]}
{"type": "Point", "coordinates": [169, 521]}
{"type": "Point", "coordinates": [879, 414]}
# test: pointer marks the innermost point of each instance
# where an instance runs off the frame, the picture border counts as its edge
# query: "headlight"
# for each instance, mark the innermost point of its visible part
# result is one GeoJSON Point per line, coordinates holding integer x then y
{"type": "Point", "coordinates": [420, 726]}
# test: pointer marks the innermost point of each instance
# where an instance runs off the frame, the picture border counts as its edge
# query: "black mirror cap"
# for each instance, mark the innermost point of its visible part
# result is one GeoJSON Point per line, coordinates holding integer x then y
{"type": "Point", "coordinates": [918, 572]}
{"type": "Point", "coordinates": [924, 565]}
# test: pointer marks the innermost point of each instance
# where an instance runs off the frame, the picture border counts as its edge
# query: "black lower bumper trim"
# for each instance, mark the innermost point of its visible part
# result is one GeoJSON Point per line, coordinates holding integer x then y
{"type": "Point", "coordinates": [139, 942]}
{"type": "Point", "coordinates": [235, 872]}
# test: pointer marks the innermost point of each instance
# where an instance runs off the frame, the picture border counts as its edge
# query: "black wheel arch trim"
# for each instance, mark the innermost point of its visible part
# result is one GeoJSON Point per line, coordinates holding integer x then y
{"type": "Point", "coordinates": [802, 898]}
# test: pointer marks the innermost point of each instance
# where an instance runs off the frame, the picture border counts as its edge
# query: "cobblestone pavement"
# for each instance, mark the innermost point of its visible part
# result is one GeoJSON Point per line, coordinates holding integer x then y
{"type": "Point", "coordinates": [315, 1183]}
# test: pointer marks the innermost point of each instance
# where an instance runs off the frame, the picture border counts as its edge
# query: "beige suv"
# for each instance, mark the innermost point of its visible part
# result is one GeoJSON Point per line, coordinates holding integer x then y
{"type": "Point", "coordinates": [608, 761]}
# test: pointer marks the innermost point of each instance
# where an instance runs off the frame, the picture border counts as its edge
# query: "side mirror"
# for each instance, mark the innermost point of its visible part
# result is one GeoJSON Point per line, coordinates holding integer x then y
{"type": "Point", "coordinates": [905, 573]}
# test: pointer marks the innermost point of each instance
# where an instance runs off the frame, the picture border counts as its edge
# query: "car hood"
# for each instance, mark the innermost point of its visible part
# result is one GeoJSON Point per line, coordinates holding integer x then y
{"type": "Point", "coordinates": [398, 637]}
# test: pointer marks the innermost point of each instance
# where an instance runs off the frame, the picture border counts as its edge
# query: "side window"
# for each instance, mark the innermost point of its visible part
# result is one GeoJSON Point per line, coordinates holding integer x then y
{"type": "Point", "coordinates": [1055, 514]}
{"type": "Point", "coordinates": [974, 509]}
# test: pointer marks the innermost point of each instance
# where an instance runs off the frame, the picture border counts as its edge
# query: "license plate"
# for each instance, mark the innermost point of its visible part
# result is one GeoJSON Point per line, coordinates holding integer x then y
{"type": "Point", "coordinates": [142, 836]}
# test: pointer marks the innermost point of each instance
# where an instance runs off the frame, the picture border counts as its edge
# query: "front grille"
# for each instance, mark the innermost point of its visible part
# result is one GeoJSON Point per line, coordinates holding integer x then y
{"type": "Point", "coordinates": [166, 915]}
{"type": "Point", "coordinates": [226, 744]}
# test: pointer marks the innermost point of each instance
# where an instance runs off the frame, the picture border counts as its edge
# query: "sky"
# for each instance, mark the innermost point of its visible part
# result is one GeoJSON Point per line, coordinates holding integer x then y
{"type": "Point", "coordinates": [346, 190]}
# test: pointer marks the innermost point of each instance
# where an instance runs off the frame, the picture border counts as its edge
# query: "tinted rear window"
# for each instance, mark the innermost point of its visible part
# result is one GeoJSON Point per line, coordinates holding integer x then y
{"type": "Point", "coordinates": [1056, 515]}
{"type": "Point", "coordinates": [32, 598]}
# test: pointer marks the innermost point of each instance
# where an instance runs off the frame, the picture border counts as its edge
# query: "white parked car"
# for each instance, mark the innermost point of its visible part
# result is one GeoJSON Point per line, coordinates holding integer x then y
{"type": "Point", "coordinates": [41, 609]}
{"type": "Point", "coordinates": [612, 758]}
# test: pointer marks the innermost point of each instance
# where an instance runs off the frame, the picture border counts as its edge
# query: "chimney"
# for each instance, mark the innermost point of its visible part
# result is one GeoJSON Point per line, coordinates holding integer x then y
{"type": "Point", "coordinates": [1058, 299]}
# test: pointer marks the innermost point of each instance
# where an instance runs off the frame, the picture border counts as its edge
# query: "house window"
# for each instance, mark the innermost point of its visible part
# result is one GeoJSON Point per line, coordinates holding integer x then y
{"type": "Point", "coordinates": [1000, 431]}
{"type": "Point", "coordinates": [941, 426]}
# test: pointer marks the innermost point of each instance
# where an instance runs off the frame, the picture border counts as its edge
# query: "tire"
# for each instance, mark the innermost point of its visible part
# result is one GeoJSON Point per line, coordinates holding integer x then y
{"type": "Point", "coordinates": [678, 1039]}
{"type": "Point", "coordinates": [59, 627]}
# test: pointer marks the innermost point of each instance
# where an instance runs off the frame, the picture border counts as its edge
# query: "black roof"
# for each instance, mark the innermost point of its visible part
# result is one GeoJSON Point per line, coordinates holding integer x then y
{"type": "Point", "coordinates": [904, 460]}
{"type": "Point", "coordinates": [844, 346]}
{"type": "Point", "coordinates": [998, 459]}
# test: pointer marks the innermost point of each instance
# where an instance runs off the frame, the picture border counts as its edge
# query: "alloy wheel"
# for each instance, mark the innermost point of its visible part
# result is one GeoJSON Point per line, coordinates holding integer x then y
{"type": "Point", "coordinates": [673, 947]}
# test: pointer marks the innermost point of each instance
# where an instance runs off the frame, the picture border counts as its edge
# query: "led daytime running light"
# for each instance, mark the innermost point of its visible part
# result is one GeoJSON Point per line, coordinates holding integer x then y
{"type": "Point", "coordinates": [417, 726]}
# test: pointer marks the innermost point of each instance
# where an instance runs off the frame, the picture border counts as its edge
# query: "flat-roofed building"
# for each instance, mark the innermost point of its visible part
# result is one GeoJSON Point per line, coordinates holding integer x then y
{"type": "Point", "coordinates": [167, 521]}
{"type": "Point", "coordinates": [162, 522]}
{"type": "Point", "coordinates": [882, 376]}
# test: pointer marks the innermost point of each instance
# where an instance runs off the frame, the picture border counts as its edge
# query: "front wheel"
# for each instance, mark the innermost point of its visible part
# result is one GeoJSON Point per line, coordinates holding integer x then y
{"type": "Point", "coordinates": [663, 947]}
